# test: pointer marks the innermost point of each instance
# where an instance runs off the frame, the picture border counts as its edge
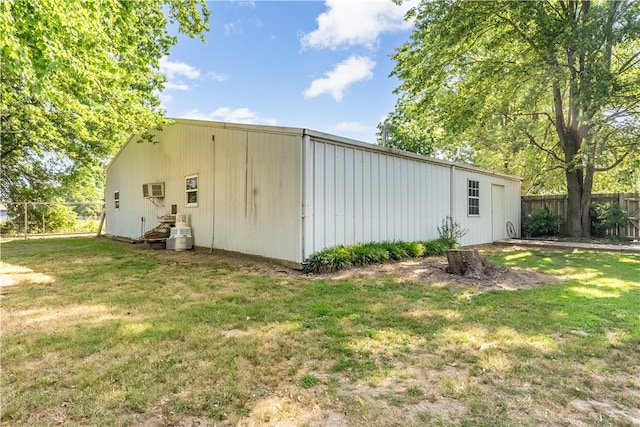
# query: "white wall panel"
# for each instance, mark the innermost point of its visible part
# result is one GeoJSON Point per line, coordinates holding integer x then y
{"type": "Point", "coordinates": [249, 195]}
{"type": "Point", "coordinates": [395, 197]}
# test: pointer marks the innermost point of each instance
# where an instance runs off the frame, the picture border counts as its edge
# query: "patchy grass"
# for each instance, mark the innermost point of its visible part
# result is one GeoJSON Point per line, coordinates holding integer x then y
{"type": "Point", "coordinates": [106, 333]}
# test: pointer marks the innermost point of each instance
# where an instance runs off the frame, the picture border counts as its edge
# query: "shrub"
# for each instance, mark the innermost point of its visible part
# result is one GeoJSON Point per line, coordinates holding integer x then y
{"type": "Point", "coordinates": [329, 260]}
{"type": "Point", "coordinates": [334, 259]}
{"type": "Point", "coordinates": [439, 246]}
{"type": "Point", "coordinates": [396, 252]}
{"type": "Point", "coordinates": [451, 229]}
{"type": "Point", "coordinates": [413, 249]}
{"type": "Point", "coordinates": [542, 223]}
{"type": "Point", "coordinates": [606, 216]}
{"type": "Point", "coordinates": [368, 253]}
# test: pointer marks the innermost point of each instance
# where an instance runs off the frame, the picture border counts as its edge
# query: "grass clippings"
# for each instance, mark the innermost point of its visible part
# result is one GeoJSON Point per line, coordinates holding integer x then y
{"type": "Point", "coordinates": [97, 332]}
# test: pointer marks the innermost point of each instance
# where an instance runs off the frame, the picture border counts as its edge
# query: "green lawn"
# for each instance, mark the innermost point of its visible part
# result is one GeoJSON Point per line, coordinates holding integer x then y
{"type": "Point", "coordinates": [98, 332]}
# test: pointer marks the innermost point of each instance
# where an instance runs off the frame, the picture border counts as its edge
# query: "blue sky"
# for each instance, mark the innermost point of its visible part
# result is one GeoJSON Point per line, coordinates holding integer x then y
{"type": "Point", "coordinates": [321, 65]}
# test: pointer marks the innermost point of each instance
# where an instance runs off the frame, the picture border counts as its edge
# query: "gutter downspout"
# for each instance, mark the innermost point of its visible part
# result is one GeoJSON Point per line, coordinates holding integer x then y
{"type": "Point", "coordinates": [213, 193]}
{"type": "Point", "coordinates": [452, 204]}
{"type": "Point", "coordinates": [306, 140]}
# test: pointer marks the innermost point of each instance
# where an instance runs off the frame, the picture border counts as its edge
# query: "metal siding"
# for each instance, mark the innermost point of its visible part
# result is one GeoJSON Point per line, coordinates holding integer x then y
{"type": "Point", "coordinates": [254, 179]}
{"type": "Point", "coordinates": [374, 202]}
{"type": "Point", "coordinates": [319, 193]}
{"type": "Point", "coordinates": [258, 184]}
{"type": "Point", "coordinates": [162, 161]}
{"type": "Point", "coordinates": [480, 228]}
{"type": "Point", "coordinates": [412, 189]}
{"type": "Point", "coordinates": [347, 193]}
{"type": "Point", "coordinates": [341, 181]}
{"type": "Point", "coordinates": [330, 196]}
{"type": "Point", "coordinates": [360, 183]}
{"type": "Point", "coordinates": [395, 197]}
{"type": "Point", "coordinates": [352, 192]}
{"type": "Point", "coordinates": [498, 222]}
{"type": "Point", "coordinates": [388, 197]}
{"type": "Point", "coordinates": [308, 197]}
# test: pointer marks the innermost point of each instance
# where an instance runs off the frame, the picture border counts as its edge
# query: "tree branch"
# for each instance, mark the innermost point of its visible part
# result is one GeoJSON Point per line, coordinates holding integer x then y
{"type": "Point", "coordinates": [629, 63]}
{"type": "Point", "coordinates": [615, 164]}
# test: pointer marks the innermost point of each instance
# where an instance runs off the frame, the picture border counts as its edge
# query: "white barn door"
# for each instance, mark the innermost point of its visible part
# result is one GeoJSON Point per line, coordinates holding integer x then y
{"type": "Point", "coordinates": [498, 222]}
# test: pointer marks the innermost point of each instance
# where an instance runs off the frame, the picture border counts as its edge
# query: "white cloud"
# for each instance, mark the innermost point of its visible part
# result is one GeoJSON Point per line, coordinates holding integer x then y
{"type": "Point", "coordinates": [357, 22]}
{"type": "Point", "coordinates": [232, 28]}
{"type": "Point", "coordinates": [238, 26]}
{"type": "Point", "coordinates": [176, 86]}
{"type": "Point", "coordinates": [351, 127]}
{"type": "Point", "coordinates": [216, 77]}
{"type": "Point", "coordinates": [227, 114]}
{"type": "Point", "coordinates": [173, 69]}
{"type": "Point", "coordinates": [349, 71]}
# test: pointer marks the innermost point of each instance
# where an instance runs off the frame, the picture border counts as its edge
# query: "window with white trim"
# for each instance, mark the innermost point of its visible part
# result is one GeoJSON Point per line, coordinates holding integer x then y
{"type": "Point", "coordinates": [473, 197]}
{"type": "Point", "coordinates": [191, 190]}
{"type": "Point", "coordinates": [116, 200]}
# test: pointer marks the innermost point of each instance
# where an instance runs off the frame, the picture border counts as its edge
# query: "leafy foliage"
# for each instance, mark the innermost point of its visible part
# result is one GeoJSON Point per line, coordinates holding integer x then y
{"type": "Point", "coordinates": [607, 216]}
{"type": "Point", "coordinates": [451, 229]}
{"type": "Point", "coordinates": [547, 90]}
{"type": "Point", "coordinates": [78, 79]}
{"type": "Point", "coordinates": [329, 260]}
{"type": "Point", "coordinates": [341, 257]}
{"type": "Point", "coordinates": [542, 223]}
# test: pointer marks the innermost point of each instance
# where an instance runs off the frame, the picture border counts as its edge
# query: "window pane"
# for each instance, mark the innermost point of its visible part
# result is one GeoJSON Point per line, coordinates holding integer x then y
{"type": "Point", "coordinates": [192, 183]}
{"type": "Point", "coordinates": [192, 197]}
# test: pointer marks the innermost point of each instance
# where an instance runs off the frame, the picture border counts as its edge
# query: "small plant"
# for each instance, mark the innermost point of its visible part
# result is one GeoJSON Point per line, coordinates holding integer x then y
{"type": "Point", "coordinates": [415, 394]}
{"type": "Point", "coordinates": [451, 230]}
{"type": "Point", "coordinates": [605, 217]}
{"type": "Point", "coordinates": [329, 260]}
{"type": "Point", "coordinates": [396, 252]}
{"type": "Point", "coordinates": [308, 381]}
{"type": "Point", "coordinates": [542, 223]}
{"type": "Point", "coordinates": [414, 249]}
{"type": "Point", "coordinates": [438, 246]}
{"type": "Point", "coordinates": [369, 253]}
{"type": "Point", "coordinates": [340, 257]}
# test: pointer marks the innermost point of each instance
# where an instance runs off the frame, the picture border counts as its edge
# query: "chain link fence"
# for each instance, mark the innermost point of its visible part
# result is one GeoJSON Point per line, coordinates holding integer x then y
{"type": "Point", "coordinates": [40, 219]}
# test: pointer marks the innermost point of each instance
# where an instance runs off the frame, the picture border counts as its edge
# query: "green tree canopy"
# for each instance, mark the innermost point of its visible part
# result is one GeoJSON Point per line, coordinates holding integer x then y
{"type": "Point", "coordinates": [526, 87]}
{"type": "Point", "coordinates": [76, 78]}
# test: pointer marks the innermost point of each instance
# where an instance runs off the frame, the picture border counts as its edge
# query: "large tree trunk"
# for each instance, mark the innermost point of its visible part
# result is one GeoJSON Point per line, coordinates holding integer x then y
{"type": "Point", "coordinates": [579, 200]}
{"type": "Point", "coordinates": [579, 189]}
{"type": "Point", "coordinates": [572, 134]}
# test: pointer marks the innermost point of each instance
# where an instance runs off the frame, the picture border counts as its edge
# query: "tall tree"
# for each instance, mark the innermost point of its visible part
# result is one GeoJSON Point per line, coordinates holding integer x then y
{"type": "Point", "coordinates": [77, 77]}
{"type": "Point", "coordinates": [552, 84]}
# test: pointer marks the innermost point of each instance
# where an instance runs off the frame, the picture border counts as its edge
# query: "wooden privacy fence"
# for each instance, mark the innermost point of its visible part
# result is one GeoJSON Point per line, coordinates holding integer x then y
{"type": "Point", "coordinates": [630, 202]}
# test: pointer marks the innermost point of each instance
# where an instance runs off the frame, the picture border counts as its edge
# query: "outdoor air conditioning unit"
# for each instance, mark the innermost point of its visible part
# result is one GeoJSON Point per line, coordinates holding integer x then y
{"type": "Point", "coordinates": [153, 190]}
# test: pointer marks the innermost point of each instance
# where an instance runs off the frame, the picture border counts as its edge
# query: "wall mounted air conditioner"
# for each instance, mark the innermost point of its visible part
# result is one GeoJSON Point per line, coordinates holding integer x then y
{"type": "Point", "coordinates": [153, 190]}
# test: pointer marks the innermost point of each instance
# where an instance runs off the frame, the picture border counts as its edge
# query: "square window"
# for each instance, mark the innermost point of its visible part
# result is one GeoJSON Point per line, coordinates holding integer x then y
{"type": "Point", "coordinates": [191, 191]}
{"type": "Point", "coordinates": [473, 200]}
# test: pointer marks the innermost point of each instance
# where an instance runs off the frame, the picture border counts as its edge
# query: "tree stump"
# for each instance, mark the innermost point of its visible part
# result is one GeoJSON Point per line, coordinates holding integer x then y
{"type": "Point", "coordinates": [465, 262]}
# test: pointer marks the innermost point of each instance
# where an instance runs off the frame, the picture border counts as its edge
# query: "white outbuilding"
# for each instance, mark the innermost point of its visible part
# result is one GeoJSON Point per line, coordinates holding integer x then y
{"type": "Point", "coordinates": [286, 193]}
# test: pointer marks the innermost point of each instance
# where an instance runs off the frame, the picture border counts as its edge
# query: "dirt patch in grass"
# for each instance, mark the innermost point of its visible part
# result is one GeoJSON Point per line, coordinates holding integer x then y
{"type": "Point", "coordinates": [432, 270]}
{"type": "Point", "coordinates": [428, 270]}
